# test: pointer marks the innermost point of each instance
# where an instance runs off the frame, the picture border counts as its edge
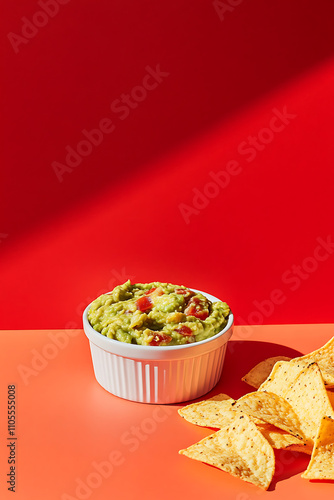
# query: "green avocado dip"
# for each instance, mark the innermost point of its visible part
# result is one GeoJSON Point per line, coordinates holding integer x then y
{"type": "Point", "coordinates": [157, 314]}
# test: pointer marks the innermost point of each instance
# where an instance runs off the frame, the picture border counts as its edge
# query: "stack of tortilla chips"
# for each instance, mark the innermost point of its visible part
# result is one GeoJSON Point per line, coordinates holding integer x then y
{"type": "Point", "coordinates": [290, 409]}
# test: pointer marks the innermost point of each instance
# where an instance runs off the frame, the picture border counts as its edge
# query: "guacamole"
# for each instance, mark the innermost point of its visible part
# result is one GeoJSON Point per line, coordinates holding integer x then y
{"type": "Point", "coordinates": [157, 314]}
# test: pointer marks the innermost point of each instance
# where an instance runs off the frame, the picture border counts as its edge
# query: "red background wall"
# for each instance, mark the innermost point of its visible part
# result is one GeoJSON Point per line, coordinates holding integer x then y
{"type": "Point", "coordinates": [217, 175]}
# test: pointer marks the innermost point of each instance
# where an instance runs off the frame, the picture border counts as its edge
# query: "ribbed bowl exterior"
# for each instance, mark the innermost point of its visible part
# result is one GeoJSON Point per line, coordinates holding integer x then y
{"type": "Point", "coordinates": [158, 382]}
{"type": "Point", "coordinates": [158, 375]}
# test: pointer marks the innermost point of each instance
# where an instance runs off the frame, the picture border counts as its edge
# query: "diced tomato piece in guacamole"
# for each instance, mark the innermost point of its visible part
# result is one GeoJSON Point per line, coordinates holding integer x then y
{"type": "Point", "coordinates": [196, 308]}
{"type": "Point", "coordinates": [160, 339]}
{"type": "Point", "coordinates": [155, 291]}
{"type": "Point", "coordinates": [144, 303]}
{"type": "Point", "coordinates": [185, 330]}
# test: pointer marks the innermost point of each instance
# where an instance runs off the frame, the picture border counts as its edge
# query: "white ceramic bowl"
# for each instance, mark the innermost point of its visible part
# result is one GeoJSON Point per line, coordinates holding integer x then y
{"type": "Point", "coordinates": [158, 375]}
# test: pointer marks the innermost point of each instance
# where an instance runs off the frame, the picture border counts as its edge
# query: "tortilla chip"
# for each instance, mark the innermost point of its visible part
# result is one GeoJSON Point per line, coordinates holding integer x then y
{"type": "Point", "coordinates": [324, 357]}
{"type": "Point", "coordinates": [309, 399]}
{"type": "Point", "coordinates": [321, 465]}
{"type": "Point", "coordinates": [279, 439]}
{"type": "Point", "coordinates": [271, 408]}
{"type": "Point", "coordinates": [207, 413]}
{"type": "Point", "coordinates": [239, 449]}
{"type": "Point", "coordinates": [258, 374]}
{"type": "Point", "coordinates": [282, 377]}
{"type": "Point", "coordinates": [292, 409]}
{"type": "Point", "coordinates": [303, 387]}
{"type": "Point", "coordinates": [211, 412]}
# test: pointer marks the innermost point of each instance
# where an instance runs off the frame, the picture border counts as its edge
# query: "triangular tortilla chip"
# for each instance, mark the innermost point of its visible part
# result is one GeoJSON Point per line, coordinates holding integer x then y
{"type": "Point", "coordinates": [303, 387]}
{"type": "Point", "coordinates": [207, 413]}
{"type": "Point", "coordinates": [282, 377]}
{"type": "Point", "coordinates": [271, 408]}
{"type": "Point", "coordinates": [321, 465]}
{"type": "Point", "coordinates": [258, 374]}
{"type": "Point", "coordinates": [280, 439]}
{"type": "Point", "coordinates": [324, 357]}
{"type": "Point", "coordinates": [239, 449]}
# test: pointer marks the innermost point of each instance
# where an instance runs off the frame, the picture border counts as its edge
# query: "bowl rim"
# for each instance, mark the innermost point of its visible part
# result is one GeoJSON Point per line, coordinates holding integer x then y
{"type": "Point", "coordinates": [136, 350]}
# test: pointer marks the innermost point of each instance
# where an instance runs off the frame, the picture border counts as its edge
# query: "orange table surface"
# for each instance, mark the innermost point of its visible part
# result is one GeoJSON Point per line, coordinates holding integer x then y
{"type": "Point", "coordinates": [73, 440]}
